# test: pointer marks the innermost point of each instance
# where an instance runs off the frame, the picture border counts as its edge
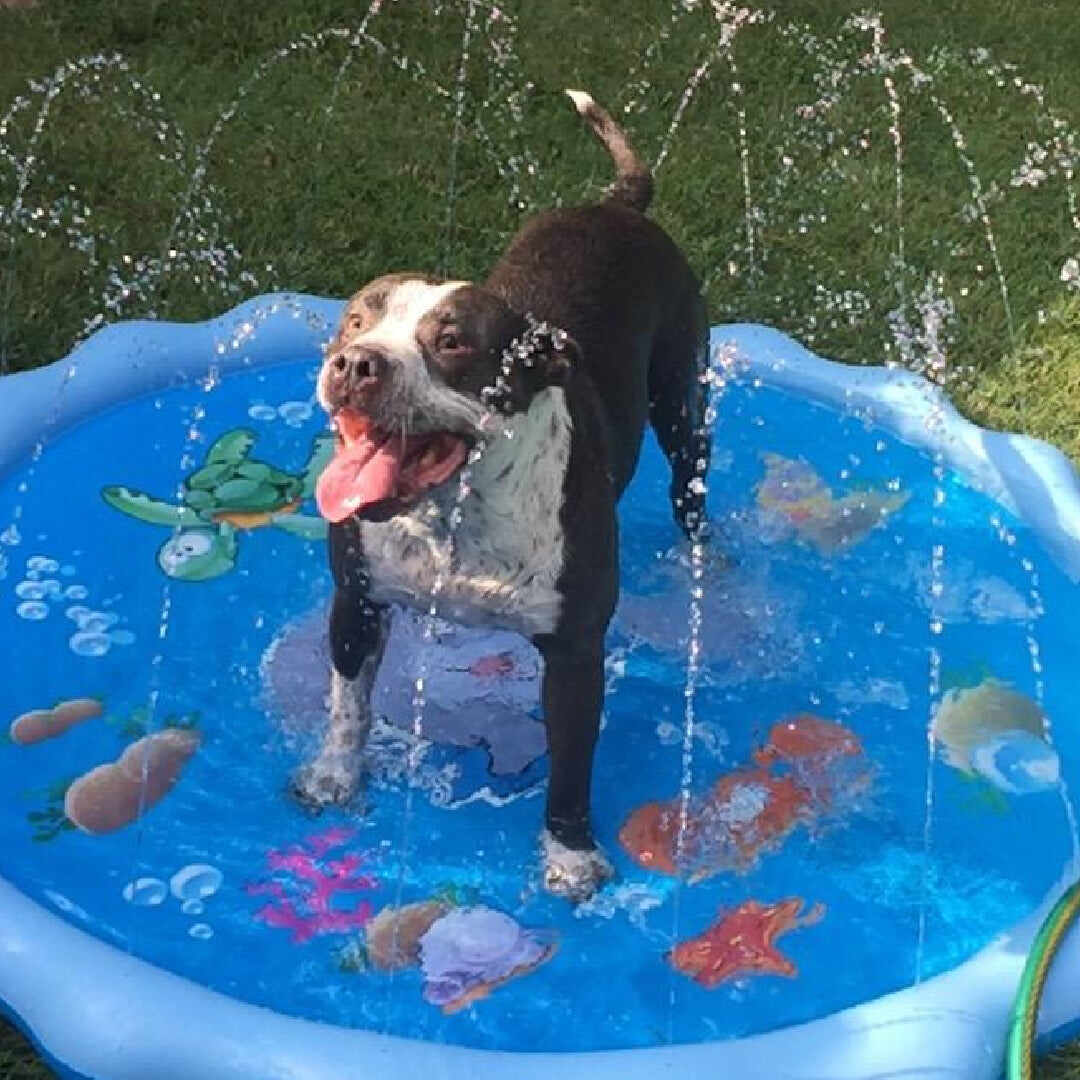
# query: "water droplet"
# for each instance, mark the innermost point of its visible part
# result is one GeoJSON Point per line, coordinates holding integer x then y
{"type": "Point", "coordinates": [201, 931]}
{"type": "Point", "coordinates": [192, 907]}
{"type": "Point", "coordinates": [66, 905]}
{"type": "Point", "coordinates": [34, 610]}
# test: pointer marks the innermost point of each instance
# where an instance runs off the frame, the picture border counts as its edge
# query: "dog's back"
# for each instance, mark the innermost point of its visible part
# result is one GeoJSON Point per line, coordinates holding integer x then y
{"type": "Point", "coordinates": [634, 307]}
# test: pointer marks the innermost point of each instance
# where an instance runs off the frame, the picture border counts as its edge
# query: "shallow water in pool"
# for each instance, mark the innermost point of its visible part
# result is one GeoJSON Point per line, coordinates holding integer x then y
{"type": "Point", "coordinates": [816, 613]}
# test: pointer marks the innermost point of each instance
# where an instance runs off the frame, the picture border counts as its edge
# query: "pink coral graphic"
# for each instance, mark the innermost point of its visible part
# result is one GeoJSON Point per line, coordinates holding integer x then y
{"type": "Point", "coordinates": [306, 883]}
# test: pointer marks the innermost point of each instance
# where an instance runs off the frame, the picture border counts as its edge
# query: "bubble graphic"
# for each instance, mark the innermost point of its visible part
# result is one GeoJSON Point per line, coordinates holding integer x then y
{"type": "Point", "coordinates": [89, 644]}
{"type": "Point", "coordinates": [97, 622]}
{"type": "Point", "coordinates": [195, 882]}
{"type": "Point", "coordinates": [295, 413]}
{"type": "Point", "coordinates": [145, 891]}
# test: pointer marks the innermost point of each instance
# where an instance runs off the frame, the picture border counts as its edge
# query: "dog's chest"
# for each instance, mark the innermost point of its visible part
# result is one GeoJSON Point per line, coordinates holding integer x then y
{"type": "Point", "coordinates": [500, 564]}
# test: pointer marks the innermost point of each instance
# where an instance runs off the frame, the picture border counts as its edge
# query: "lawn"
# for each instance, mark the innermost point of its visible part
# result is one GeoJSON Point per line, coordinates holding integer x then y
{"type": "Point", "coordinates": [17, 1060]}
{"type": "Point", "coordinates": [886, 189]}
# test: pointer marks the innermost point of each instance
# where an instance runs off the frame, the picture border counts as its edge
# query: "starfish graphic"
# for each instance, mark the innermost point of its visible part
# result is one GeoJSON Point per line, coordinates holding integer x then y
{"type": "Point", "coordinates": [741, 942]}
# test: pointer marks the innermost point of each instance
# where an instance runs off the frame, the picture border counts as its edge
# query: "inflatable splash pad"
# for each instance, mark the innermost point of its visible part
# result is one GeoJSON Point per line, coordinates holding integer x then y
{"type": "Point", "coordinates": [877, 782]}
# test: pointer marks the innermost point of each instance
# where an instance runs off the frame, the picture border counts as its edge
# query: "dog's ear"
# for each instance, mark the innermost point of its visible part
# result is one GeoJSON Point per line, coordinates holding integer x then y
{"type": "Point", "coordinates": [554, 355]}
{"type": "Point", "coordinates": [557, 359]}
{"type": "Point", "coordinates": [540, 357]}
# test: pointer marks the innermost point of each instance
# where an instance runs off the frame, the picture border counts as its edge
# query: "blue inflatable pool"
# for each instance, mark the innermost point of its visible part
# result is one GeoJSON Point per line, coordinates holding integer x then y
{"type": "Point", "coordinates": [879, 791]}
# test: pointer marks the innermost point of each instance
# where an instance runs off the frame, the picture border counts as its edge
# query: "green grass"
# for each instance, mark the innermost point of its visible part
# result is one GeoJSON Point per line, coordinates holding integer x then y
{"type": "Point", "coordinates": [298, 198]}
{"type": "Point", "coordinates": [335, 169]}
{"type": "Point", "coordinates": [17, 1059]}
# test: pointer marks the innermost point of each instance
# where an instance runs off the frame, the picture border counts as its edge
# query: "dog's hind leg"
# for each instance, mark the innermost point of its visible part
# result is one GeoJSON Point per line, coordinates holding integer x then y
{"type": "Point", "coordinates": [678, 394]}
{"type": "Point", "coordinates": [359, 629]}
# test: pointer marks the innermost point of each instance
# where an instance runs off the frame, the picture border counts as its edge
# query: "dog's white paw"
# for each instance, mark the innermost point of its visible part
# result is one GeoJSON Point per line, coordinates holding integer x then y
{"type": "Point", "coordinates": [574, 874]}
{"type": "Point", "coordinates": [326, 782]}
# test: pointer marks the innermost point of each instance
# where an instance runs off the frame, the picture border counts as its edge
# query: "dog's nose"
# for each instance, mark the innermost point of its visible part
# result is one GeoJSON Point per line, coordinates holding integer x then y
{"type": "Point", "coordinates": [358, 367]}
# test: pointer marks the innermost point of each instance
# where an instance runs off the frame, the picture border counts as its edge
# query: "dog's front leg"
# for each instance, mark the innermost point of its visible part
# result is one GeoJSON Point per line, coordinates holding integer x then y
{"type": "Point", "coordinates": [359, 629]}
{"type": "Point", "coordinates": [358, 633]}
{"type": "Point", "coordinates": [573, 697]}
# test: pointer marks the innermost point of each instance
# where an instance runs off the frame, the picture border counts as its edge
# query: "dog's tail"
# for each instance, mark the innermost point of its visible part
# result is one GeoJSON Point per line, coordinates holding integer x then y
{"type": "Point", "coordinates": [633, 181]}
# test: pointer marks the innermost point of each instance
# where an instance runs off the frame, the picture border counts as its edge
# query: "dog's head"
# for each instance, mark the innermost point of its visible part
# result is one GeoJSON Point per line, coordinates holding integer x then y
{"type": "Point", "coordinates": [412, 379]}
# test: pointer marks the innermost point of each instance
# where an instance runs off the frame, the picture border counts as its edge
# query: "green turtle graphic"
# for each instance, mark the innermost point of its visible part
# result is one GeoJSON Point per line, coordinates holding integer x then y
{"type": "Point", "coordinates": [231, 492]}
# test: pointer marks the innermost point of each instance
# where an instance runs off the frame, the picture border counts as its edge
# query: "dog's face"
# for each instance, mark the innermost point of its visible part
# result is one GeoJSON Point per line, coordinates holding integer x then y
{"type": "Point", "coordinates": [416, 354]}
{"type": "Point", "coordinates": [412, 379]}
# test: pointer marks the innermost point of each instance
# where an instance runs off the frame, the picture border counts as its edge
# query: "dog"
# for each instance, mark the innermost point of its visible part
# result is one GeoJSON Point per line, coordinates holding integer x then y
{"type": "Point", "coordinates": [485, 433]}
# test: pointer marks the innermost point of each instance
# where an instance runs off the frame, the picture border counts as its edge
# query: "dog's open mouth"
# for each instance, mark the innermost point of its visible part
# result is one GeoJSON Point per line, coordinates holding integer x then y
{"type": "Point", "coordinates": [377, 473]}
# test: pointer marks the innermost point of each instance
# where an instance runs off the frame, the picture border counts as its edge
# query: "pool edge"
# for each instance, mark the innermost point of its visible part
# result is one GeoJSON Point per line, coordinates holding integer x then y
{"type": "Point", "coordinates": [88, 1014]}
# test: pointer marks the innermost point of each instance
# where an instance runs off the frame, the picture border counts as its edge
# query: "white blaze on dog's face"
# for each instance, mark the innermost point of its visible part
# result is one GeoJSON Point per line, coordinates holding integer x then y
{"type": "Point", "coordinates": [380, 329]}
{"type": "Point", "coordinates": [405, 380]}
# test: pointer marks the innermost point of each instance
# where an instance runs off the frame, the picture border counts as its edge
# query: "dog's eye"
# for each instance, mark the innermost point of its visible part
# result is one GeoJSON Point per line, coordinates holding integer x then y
{"type": "Point", "coordinates": [449, 341]}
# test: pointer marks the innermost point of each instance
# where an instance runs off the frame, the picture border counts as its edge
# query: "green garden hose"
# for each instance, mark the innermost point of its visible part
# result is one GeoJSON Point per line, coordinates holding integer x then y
{"type": "Point", "coordinates": [1025, 1011]}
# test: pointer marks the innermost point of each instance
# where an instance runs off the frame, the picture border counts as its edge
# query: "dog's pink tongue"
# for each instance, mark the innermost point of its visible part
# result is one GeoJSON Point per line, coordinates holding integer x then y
{"type": "Point", "coordinates": [363, 470]}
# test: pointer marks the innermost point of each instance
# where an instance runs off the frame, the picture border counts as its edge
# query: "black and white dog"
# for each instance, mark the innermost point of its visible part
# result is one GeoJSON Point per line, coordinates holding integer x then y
{"type": "Point", "coordinates": [423, 371]}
